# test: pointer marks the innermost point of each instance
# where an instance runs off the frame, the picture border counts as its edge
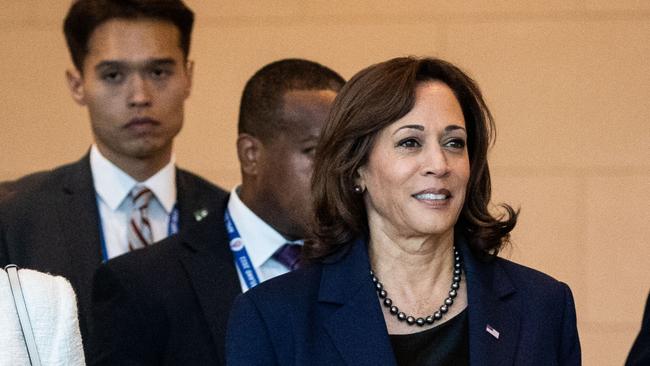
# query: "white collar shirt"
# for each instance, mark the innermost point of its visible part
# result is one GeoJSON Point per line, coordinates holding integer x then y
{"type": "Point", "coordinates": [260, 240]}
{"type": "Point", "coordinates": [112, 188]}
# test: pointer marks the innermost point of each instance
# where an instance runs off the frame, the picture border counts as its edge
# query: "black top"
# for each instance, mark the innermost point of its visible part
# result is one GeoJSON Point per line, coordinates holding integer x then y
{"type": "Point", "coordinates": [446, 344]}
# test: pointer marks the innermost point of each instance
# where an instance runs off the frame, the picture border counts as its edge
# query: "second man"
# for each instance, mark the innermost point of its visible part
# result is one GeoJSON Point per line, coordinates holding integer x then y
{"type": "Point", "coordinates": [169, 304]}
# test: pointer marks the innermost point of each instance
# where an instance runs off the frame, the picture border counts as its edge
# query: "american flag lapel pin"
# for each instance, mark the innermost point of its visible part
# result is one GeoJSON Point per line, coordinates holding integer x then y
{"type": "Point", "coordinates": [492, 331]}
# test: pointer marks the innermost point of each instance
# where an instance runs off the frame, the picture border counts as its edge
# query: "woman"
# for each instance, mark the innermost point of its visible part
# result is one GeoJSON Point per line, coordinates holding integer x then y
{"type": "Point", "coordinates": [404, 268]}
{"type": "Point", "coordinates": [50, 305]}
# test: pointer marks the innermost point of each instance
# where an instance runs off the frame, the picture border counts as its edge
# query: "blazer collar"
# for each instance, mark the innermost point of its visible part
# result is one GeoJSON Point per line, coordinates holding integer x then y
{"type": "Point", "coordinates": [357, 327]}
{"type": "Point", "coordinates": [359, 331]}
{"type": "Point", "coordinates": [211, 271]}
{"type": "Point", "coordinates": [494, 312]}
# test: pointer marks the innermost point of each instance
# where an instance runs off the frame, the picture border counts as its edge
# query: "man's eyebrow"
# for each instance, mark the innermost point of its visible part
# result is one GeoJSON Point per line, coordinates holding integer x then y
{"type": "Point", "coordinates": [108, 64]}
{"type": "Point", "coordinates": [149, 62]}
{"type": "Point", "coordinates": [161, 61]}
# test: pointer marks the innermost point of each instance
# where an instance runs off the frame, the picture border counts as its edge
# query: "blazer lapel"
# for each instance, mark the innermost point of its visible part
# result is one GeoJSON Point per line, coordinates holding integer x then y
{"type": "Point", "coordinates": [76, 234]}
{"type": "Point", "coordinates": [211, 270]}
{"type": "Point", "coordinates": [78, 218]}
{"type": "Point", "coordinates": [357, 328]}
{"type": "Point", "coordinates": [192, 202]}
{"type": "Point", "coordinates": [494, 313]}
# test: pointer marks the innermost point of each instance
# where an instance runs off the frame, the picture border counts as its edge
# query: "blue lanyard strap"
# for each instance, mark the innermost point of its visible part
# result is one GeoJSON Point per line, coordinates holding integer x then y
{"type": "Point", "coordinates": [172, 227]}
{"type": "Point", "coordinates": [238, 249]}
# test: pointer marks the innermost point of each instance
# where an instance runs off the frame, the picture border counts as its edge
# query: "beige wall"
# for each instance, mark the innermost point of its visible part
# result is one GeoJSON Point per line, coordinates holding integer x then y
{"type": "Point", "coordinates": [568, 82]}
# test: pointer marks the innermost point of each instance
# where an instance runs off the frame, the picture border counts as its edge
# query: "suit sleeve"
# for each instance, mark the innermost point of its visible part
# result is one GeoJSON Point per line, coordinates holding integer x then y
{"type": "Point", "coordinates": [570, 353]}
{"type": "Point", "coordinates": [4, 256]}
{"type": "Point", "coordinates": [248, 341]}
{"type": "Point", "coordinates": [4, 242]}
{"type": "Point", "coordinates": [119, 332]}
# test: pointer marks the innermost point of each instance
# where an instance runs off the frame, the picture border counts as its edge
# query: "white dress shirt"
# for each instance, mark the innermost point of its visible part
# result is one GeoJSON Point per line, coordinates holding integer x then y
{"type": "Point", "coordinates": [112, 187]}
{"type": "Point", "coordinates": [260, 240]}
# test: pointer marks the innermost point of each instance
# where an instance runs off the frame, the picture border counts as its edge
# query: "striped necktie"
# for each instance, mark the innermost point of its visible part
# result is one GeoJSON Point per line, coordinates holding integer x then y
{"type": "Point", "coordinates": [139, 228]}
{"type": "Point", "coordinates": [289, 255]}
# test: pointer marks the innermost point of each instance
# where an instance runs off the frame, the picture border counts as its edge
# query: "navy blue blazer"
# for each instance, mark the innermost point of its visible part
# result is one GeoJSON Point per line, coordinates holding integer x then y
{"type": "Point", "coordinates": [329, 314]}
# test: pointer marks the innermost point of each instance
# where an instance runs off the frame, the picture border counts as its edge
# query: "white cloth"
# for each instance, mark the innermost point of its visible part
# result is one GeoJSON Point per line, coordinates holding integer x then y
{"type": "Point", "coordinates": [260, 240]}
{"type": "Point", "coordinates": [52, 308]}
{"type": "Point", "coordinates": [112, 187]}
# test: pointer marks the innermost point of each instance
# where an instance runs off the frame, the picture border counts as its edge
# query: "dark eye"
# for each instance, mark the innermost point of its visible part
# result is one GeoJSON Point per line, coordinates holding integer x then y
{"type": "Point", "coordinates": [409, 143]}
{"type": "Point", "coordinates": [456, 143]}
{"type": "Point", "coordinates": [159, 73]}
{"type": "Point", "coordinates": [112, 76]}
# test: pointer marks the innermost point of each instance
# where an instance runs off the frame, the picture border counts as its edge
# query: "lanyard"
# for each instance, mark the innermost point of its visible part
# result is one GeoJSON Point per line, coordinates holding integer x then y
{"type": "Point", "coordinates": [172, 228]}
{"type": "Point", "coordinates": [238, 249]}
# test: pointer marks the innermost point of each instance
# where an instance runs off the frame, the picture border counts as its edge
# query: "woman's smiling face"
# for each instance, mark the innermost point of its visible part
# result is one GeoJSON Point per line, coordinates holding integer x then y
{"type": "Point", "coordinates": [417, 171]}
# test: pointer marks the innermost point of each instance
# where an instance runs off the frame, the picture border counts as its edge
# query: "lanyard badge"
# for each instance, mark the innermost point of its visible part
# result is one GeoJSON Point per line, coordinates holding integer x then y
{"type": "Point", "coordinates": [238, 249]}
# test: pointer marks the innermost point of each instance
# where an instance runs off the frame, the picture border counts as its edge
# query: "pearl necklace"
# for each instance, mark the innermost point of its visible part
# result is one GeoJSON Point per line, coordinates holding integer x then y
{"type": "Point", "coordinates": [410, 320]}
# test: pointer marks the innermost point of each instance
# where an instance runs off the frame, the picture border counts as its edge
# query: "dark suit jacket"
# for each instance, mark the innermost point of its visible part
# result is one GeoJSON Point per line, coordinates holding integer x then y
{"type": "Point", "coordinates": [640, 353]}
{"type": "Point", "coordinates": [51, 223]}
{"type": "Point", "coordinates": [6, 189]}
{"type": "Point", "coordinates": [329, 314]}
{"type": "Point", "coordinates": [167, 304]}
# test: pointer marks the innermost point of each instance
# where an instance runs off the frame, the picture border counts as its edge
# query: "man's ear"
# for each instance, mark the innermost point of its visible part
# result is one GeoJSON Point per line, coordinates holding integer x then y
{"type": "Point", "coordinates": [189, 72]}
{"type": "Point", "coordinates": [249, 149]}
{"type": "Point", "coordinates": [76, 85]}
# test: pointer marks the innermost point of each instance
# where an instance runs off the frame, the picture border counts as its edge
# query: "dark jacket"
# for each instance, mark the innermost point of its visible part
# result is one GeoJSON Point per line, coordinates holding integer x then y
{"type": "Point", "coordinates": [50, 223]}
{"type": "Point", "coordinates": [329, 314]}
{"type": "Point", "coordinates": [167, 304]}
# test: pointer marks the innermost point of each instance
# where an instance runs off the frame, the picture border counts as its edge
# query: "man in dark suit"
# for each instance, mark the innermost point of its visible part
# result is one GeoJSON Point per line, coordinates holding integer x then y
{"type": "Point", "coordinates": [169, 304]}
{"type": "Point", "coordinates": [132, 73]}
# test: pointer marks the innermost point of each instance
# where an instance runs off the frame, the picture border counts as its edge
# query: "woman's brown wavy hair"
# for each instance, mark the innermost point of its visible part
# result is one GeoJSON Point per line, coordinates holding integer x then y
{"type": "Point", "coordinates": [373, 99]}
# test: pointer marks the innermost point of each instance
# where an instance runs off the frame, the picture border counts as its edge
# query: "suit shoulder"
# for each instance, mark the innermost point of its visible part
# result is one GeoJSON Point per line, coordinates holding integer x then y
{"type": "Point", "coordinates": [197, 182]}
{"type": "Point", "coordinates": [526, 274]}
{"type": "Point", "coordinates": [37, 181]}
{"type": "Point", "coordinates": [37, 186]}
{"type": "Point", "coordinates": [294, 281]}
{"type": "Point", "coordinates": [163, 255]}
{"type": "Point", "coordinates": [148, 260]}
{"type": "Point", "coordinates": [537, 286]}
{"type": "Point", "coordinates": [291, 290]}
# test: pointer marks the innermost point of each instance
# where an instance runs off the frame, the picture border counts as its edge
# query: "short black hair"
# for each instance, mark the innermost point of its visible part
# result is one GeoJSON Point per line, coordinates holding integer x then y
{"type": "Point", "coordinates": [260, 110]}
{"type": "Point", "coordinates": [84, 16]}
